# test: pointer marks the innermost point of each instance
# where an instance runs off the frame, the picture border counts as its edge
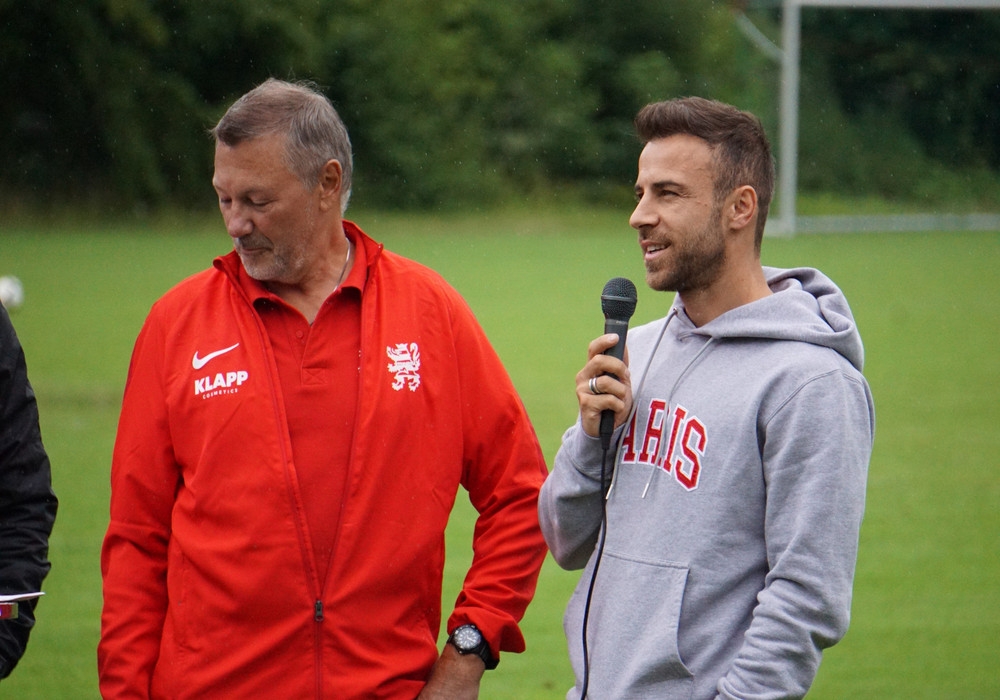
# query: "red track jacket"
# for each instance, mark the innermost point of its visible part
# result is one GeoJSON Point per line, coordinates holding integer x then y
{"type": "Point", "coordinates": [210, 585]}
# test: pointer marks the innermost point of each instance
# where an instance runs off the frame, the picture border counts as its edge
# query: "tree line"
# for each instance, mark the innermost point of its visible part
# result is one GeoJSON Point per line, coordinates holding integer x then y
{"type": "Point", "coordinates": [460, 101]}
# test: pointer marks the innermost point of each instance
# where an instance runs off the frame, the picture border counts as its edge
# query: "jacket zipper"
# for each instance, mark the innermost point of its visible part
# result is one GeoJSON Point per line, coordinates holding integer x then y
{"type": "Point", "coordinates": [318, 642]}
{"type": "Point", "coordinates": [308, 561]}
{"type": "Point", "coordinates": [318, 608]}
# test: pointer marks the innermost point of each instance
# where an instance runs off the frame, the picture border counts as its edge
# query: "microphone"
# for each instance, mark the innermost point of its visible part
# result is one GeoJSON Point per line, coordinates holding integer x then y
{"type": "Point", "coordinates": [618, 304]}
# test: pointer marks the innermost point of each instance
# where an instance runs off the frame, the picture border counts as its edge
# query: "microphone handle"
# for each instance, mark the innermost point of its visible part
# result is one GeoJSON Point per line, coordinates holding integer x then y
{"type": "Point", "coordinates": [619, 326]}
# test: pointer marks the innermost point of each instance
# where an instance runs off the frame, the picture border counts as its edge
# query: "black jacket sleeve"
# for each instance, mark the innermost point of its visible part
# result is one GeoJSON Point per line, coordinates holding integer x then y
{"type": "Point", "coordinates": [27, 503]}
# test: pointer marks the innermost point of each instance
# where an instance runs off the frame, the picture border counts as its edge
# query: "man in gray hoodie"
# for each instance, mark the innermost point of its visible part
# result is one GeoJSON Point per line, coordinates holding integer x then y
{"type": "Point", "coordinates": [721, 562]}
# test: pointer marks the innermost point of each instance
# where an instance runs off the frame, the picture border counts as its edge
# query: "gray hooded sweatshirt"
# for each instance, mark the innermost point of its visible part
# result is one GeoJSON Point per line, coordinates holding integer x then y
{"type": "Point", "coordinates": [736, 500]}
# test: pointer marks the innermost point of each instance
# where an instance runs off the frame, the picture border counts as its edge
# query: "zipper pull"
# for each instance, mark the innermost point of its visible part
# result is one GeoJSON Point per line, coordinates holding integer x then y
{"type": "Point", "coordinates": [318, 611]}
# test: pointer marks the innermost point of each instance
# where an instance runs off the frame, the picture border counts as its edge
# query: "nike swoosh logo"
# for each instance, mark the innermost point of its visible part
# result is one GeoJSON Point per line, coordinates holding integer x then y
{"type": "Point", "coordinates": [199, 362]}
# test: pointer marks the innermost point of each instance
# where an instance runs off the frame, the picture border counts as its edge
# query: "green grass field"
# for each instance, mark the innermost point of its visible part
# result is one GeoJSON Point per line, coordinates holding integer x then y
{"type": "Point", "coordinates": [926, 614]}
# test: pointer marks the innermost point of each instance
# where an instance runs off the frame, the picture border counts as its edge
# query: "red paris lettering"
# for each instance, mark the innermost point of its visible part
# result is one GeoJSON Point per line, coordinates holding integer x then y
{"type": "Point", "coordinates": [654, 431]}
{"type": "Point", "coordinates": [679, 415]}
{"type": "Point", "coordinates": [628, 441]}
{"type": "Point", "coordinates": [688, 470]}
{"type": "Point", "coordinates": [685, 447]}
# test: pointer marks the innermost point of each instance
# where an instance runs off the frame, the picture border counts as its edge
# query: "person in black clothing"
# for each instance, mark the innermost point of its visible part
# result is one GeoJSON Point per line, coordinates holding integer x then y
{"type": "Point", "coordinates": [27, 503]}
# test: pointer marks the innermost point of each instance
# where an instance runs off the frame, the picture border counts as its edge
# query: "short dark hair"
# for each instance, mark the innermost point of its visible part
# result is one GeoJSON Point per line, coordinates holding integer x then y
{"type": "Point", "coordinates": [740, 149]}
{"type": "Point", "coordinates": [315, 132]}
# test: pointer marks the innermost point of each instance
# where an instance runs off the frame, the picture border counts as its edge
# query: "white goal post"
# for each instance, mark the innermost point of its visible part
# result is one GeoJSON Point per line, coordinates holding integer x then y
{"type": "Point", "coordinates": [787, 222]}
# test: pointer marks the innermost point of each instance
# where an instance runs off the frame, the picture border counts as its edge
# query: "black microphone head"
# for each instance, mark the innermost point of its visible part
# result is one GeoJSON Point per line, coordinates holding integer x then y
{"type": "Point", "coordinates": [618, 299]}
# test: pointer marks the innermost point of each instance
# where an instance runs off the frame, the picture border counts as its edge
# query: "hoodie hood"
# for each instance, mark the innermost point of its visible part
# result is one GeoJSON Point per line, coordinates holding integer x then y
{"type": "Point", "coordinates": [805, 306]}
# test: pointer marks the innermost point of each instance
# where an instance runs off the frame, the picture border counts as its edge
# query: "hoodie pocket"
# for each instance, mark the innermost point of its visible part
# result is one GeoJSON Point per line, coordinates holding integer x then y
{"type": "Point", "coordinates": [632, 629]}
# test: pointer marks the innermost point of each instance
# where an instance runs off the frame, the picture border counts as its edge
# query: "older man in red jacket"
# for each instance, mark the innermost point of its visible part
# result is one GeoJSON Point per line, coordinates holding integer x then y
{"type": "Point", "coordinates": [296, 423]}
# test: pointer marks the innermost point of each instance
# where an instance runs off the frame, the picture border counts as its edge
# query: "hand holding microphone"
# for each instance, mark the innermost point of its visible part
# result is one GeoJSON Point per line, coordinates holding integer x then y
{"type": "Point", "coordinates": [618, 302]}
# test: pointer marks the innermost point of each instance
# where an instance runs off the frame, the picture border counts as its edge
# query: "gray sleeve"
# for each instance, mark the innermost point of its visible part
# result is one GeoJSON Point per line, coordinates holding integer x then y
{"type": "Point", "coordinates": [569, 505]}
{"type": "Point", "coordinates": [816, 450]}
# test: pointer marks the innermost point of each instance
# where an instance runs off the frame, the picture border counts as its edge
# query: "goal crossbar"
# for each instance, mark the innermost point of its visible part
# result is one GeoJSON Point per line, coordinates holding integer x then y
{"type": "Point", "coordinates": [789, 102]}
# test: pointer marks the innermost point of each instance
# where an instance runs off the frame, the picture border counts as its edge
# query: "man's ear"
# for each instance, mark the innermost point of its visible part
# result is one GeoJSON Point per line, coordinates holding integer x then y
{"type": "Point", "coordinates": [742, 206]}
{"type": "Point", "coordinates": [331, 180]}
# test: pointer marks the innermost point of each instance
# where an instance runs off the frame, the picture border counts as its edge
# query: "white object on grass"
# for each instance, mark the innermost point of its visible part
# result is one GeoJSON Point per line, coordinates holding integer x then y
{"type": "Point", "coordinates": [11, 292]}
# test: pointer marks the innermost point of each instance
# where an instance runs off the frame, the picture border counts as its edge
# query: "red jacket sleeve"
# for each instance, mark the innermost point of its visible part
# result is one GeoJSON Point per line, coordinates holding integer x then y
{"type": "Point", "coordinates": [503, 471]}
{"type": "Point", "coordinates": [134, 555]}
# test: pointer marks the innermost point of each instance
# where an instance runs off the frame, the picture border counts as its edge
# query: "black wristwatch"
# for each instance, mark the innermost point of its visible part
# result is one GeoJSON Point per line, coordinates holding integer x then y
{"type": "Point", "coordinates": [469, 640]}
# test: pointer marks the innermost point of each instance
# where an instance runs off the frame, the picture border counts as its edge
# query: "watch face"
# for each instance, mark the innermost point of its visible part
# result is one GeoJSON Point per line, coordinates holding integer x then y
{"type": "Point", "coordinates": [467, 638]}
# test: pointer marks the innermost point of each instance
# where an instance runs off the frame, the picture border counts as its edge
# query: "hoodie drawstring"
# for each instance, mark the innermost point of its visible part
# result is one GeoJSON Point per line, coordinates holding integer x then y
{"type": "Point", "coordinates": [670, 395]}
{"type": "Point", "coordinates": [635, 392]}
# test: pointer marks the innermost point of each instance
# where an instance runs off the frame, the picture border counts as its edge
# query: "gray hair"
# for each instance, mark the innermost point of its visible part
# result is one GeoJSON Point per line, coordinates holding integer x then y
{"type": "Point", "coordinates": [314, 131]}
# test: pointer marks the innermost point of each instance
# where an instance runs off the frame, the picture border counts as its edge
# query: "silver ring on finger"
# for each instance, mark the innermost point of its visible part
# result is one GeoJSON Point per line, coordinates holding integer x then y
{"type": "Point", "coordinates": [593, 386]}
